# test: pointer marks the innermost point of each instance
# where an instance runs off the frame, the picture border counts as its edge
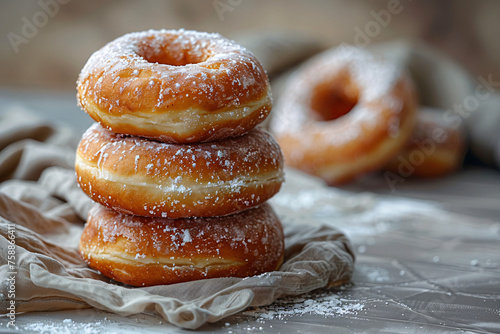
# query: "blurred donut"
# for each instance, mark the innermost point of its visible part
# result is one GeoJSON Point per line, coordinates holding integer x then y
{"type": "Point", "coordinates": [436, 148]}
{"type": "Point", "coordinates": [344, 114]}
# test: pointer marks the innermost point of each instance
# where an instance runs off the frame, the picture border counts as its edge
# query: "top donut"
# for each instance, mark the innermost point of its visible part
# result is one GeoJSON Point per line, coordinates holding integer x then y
{"type": "Point", "coordinates": [175, 86]}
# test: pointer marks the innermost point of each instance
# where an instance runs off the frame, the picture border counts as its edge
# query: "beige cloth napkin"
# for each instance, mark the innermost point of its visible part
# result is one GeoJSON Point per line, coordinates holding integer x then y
{"type": "Point", "coordinates": [40, 201]}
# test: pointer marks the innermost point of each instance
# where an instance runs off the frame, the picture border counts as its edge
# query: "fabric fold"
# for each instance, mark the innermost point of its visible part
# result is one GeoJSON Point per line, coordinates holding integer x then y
{"type": "Point", "coordinates": [41, 202]}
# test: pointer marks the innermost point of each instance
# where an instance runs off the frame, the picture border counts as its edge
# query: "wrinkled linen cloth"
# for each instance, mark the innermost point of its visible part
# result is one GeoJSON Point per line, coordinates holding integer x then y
{"type": "Point", "coordinates": [42, 206]}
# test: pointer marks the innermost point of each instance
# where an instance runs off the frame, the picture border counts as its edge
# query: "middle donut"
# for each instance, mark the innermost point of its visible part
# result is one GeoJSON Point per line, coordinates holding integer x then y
{"type": "Point", "coordinates": [141, 177]}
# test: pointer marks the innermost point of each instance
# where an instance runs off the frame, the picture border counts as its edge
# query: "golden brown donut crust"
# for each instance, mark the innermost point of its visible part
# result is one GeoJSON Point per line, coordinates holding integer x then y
{"type": "Point", "coordinates": [142, 177]}
{"type": "Point", "coordinates": [435, 149]}
{"type": "Point", "coordinates": [344, 114]}
{"type": "Point", "coordinates": [144, 251]}
{"type": "Point", "coordinates": [175, 86]}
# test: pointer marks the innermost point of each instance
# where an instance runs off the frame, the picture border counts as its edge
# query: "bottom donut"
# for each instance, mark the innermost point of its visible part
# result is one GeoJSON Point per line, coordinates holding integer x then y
{"type": "Point", "coordinates": [145, 251]}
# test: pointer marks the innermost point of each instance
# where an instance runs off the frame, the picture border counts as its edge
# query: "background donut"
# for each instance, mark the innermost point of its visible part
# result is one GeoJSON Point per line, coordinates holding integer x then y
{"type": "Point", "coordinates": [344, 114]}
{"type": "Point", "coordinates": [436, 148]}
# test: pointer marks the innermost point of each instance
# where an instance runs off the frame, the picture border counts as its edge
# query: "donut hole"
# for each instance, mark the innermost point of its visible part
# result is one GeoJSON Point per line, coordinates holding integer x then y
{"type": "Point", "coordinates": [333, 100]}
{"type": "Point", "coordinates": [171, 54]}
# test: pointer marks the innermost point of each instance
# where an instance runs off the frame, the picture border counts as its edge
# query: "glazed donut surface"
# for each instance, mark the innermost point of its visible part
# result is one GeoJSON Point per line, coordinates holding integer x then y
{"type": "Point", "coordinates": [345, 113]}
{"type": "Point", "coordinates": [143, 251]}
{"type": "Point", "coordinates": [436, 148]}
{"type": "Point", "coordinates": [175, 86]}
{"type": "Point", "coordinates": [148, 178]}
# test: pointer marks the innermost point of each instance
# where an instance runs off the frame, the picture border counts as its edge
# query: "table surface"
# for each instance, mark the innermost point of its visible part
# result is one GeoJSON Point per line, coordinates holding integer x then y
{"type": "Point", "coordinates": [418, 276]}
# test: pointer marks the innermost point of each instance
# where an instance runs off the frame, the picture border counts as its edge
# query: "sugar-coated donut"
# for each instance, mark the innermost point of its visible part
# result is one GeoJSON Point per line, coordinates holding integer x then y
{"type": "Point", "coordinates": [343, 114]}
{"type": "Point", "coordinates": [436, 148]}
{"type": "Point", "coordinates": [143, 177]}
{"type": "Point", "coordinates": [175, 86]}
{"type": "Point", "coordinates": [143, 251]}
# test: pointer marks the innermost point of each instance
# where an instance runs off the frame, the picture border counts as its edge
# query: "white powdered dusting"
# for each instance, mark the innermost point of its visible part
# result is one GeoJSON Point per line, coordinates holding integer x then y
{"type": "Point", "coordinates": [136, 161]}
{"type": "Point", "coordinates": [323, 304]}
{"type": "Point", "coordinates": [359, 216]}
{"type": "Point", "coordinates": [186, 237]}
{"type": "Point", "coordinates": [66, 326]}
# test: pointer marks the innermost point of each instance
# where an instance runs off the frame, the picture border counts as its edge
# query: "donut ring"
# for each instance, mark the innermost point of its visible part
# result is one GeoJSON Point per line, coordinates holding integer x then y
{"type": "Point", "coordinates": [343, 114]}
{"type": "Point", "coordinates": [142, 177]}
{"type": "Point", "coordinates": [436, 148]}
{"type": "Point", "coordinates": [144, 251]}
{"type": "Point", "coordinates": [175, 86]}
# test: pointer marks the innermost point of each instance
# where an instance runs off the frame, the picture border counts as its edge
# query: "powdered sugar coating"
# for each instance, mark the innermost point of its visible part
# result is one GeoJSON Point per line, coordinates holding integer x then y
{"type": "Point", "coordinates": [193, 79]}
{"type": "Point", "coordinates": [149, 178]}
{"type": "Point", "coordinates": [138, 250]}
{"type": "Point", "coordinates": [124, 60]}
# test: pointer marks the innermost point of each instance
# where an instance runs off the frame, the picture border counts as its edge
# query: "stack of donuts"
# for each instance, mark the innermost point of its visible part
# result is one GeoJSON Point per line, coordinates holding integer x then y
{"type": "Point", "coordinates": [346, 113]}
{"type": "Point", "coordinates": [175, 162]}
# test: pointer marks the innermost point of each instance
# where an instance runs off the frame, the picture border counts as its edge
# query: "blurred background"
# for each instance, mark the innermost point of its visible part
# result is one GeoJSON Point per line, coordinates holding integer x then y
{"type": "Point", "coordinates": [45, 43]}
